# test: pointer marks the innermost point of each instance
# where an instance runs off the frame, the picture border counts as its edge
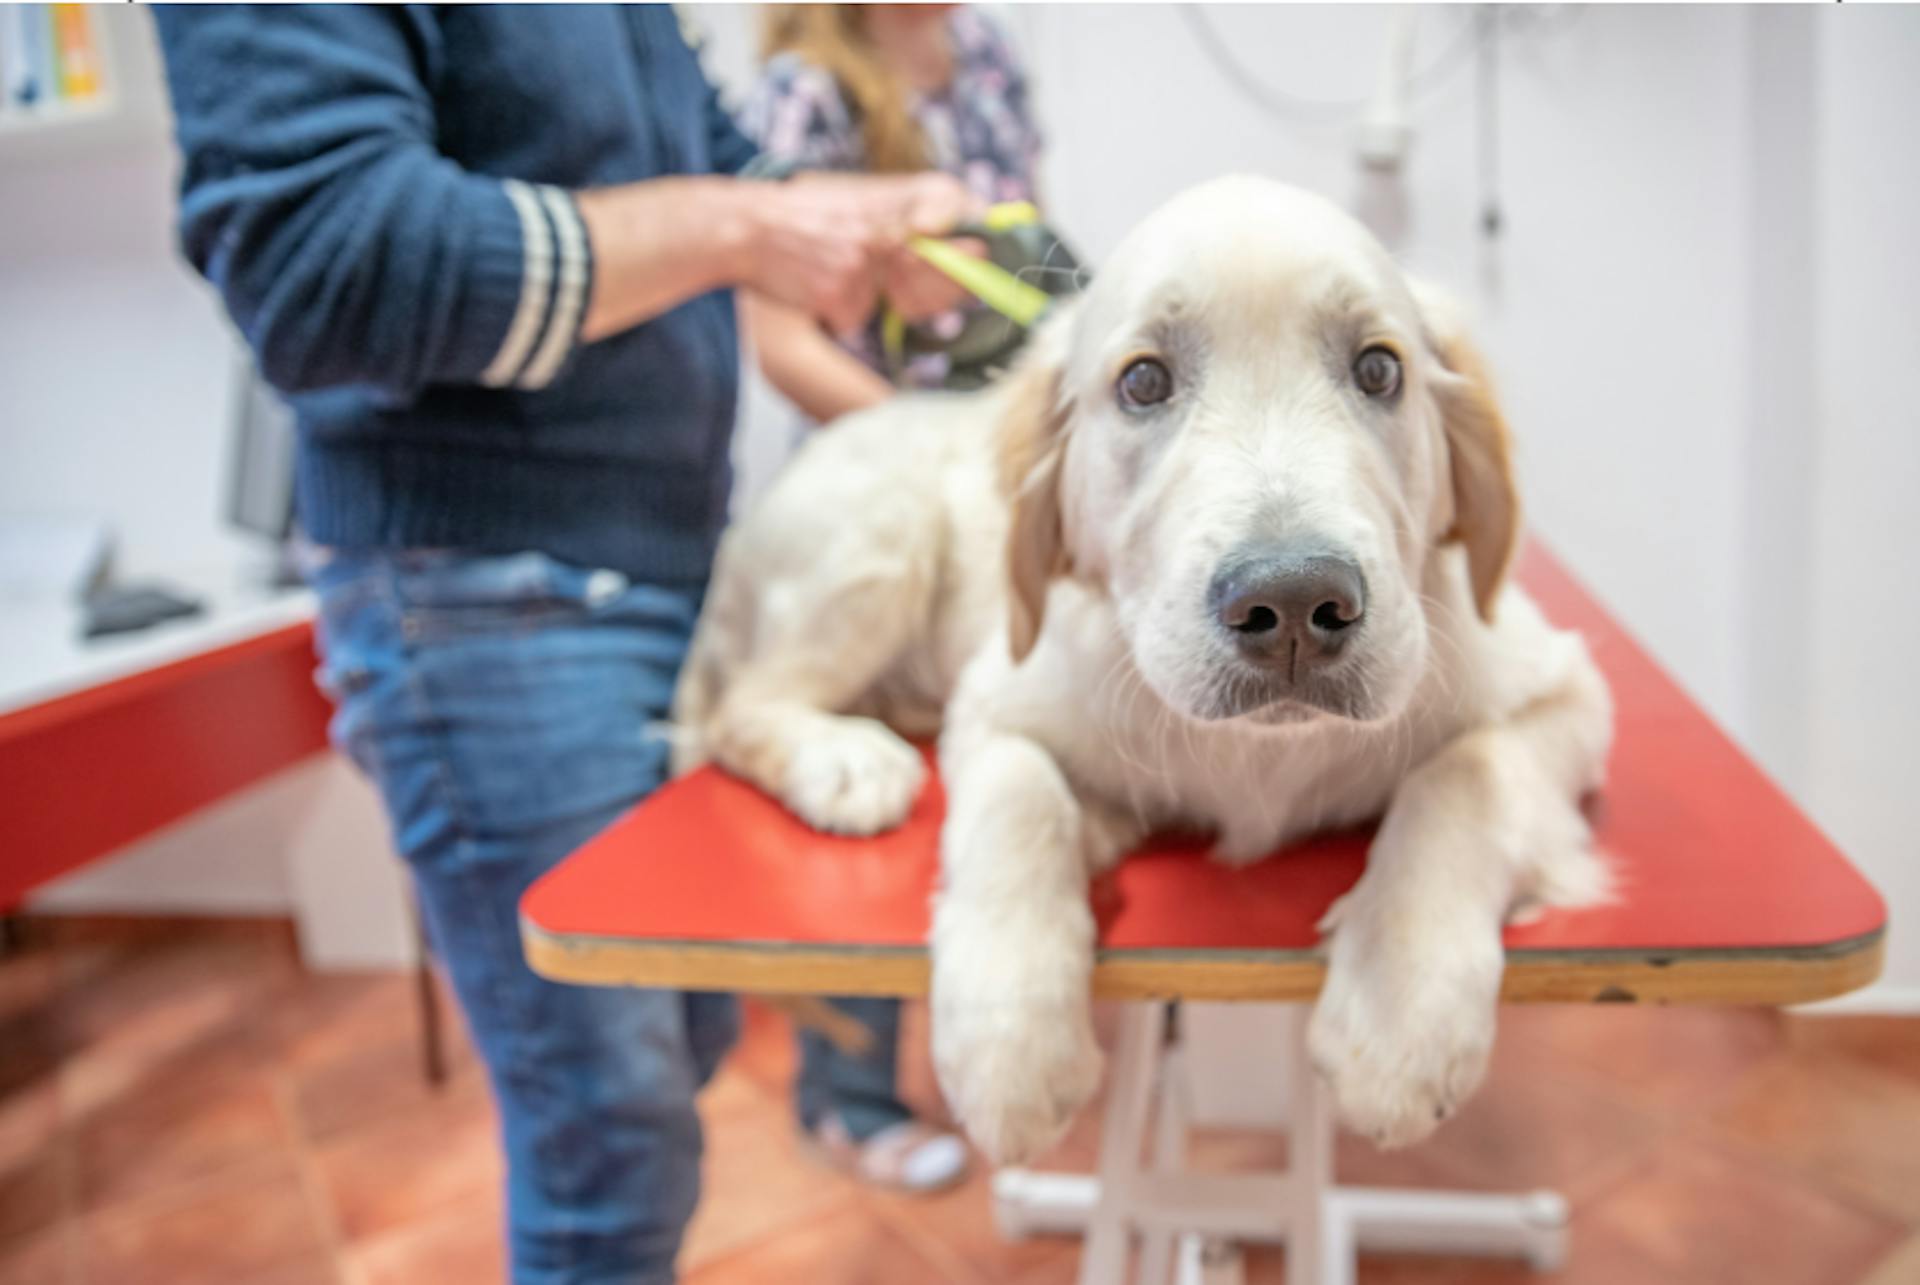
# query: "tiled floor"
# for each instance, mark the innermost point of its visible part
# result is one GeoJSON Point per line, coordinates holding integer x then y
{"type": "Point", "coordinates": [180, 1103]}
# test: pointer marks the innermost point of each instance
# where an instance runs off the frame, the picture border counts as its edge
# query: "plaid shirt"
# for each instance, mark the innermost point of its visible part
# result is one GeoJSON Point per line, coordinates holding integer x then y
{"type": "Point", "coordinates": [979, 128]}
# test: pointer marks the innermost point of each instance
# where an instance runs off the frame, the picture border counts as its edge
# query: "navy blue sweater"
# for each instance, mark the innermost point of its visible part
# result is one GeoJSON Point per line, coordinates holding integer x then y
{"type": "Point", "coordinates": [381, 195]}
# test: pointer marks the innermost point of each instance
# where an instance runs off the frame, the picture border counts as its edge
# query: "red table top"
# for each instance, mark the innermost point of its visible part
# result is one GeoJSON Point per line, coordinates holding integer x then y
{"type": "Point", "coordinates": [85, 773]}
{"type": "Point", "coordinates": [1715, 864]}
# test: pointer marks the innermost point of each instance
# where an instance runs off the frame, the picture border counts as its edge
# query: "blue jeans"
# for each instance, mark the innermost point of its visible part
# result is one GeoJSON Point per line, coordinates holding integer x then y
{"type": "Point", "coordinates": [502, 706]}
{"type": "Point", "coordinates": [860, 1088]}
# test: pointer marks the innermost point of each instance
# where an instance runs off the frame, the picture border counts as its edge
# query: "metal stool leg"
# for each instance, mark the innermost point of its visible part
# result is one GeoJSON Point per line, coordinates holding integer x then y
{"type": "Point", "coordinates": [1319, 1251]}
{"type": "Point", "coordinates": [433, 1050]}
{"type": "Point", "coordinates": [1199, 1220]}
{"type": "Point", "coordinates": [1130, 1099]}
{"type": "Point", "coordinates": [1157, 1243]}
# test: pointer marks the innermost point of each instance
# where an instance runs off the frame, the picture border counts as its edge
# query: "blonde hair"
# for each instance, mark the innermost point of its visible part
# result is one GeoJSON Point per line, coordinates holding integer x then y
{"type": "Point", "coordinates": [833, 37]}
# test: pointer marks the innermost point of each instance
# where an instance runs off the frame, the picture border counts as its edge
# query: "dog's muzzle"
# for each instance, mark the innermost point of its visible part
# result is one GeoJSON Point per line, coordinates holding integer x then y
{"type": "Point", "coordinates": [1289, 609]}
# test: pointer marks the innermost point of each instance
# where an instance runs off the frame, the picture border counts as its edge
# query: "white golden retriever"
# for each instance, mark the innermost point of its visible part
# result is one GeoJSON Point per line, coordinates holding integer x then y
{"type": "Point", "coordinates": [1225, 552]}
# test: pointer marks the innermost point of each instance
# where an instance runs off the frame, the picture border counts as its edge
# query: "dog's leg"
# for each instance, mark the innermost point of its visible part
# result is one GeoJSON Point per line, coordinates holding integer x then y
{"type": "Point", "coordinates": [1013, 941]}
{"type": "Point", "coordinates": [1404, 1026]}
{"type": "Point", "coordinates": [819, 650]}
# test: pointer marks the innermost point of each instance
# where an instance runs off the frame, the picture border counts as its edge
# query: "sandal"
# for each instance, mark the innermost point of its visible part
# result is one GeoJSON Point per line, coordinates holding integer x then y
{"type": "Point", "coordinates": [909, 1156]}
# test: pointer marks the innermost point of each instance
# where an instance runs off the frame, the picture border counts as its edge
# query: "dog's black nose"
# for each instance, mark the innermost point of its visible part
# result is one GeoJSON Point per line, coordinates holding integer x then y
{"type": "Point", "coordinates": [1288, 607]}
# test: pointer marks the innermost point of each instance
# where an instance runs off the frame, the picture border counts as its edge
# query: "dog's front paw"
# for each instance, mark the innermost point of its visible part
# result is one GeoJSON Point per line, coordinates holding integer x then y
{"type": "Point", "coordinates": [854, 777]}
{"type": "Point", "coordinates": [1403, 1045]}
{"type": "Point", "coordinates": [1015, 1075]}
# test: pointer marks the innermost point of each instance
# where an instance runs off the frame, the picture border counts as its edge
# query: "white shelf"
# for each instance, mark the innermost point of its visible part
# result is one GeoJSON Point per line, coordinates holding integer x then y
{"type": "Point", "coordinates": [56, 116]}
{"type": "Point", "coordinates": [53, 126]}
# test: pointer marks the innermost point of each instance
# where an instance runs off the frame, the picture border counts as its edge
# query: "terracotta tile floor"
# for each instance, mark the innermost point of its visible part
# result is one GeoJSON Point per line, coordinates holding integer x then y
{"type": "Point", "coordinates": [179, 1102]}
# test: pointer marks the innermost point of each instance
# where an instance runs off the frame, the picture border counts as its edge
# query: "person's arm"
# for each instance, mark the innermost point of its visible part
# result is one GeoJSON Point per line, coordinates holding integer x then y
{"type": "Point", "coordinates": [812, 371]}
{"type": "Point", "coordinates": [345, 247]}
{"type": "Point", "coordinates": [349, 251]}
{"type": "Point", "coordinates": [809, 245]}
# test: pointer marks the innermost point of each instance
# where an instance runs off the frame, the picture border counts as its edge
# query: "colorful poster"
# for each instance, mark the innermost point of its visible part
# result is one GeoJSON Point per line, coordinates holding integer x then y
{"type": "Point", "coordinates": [78, 54]}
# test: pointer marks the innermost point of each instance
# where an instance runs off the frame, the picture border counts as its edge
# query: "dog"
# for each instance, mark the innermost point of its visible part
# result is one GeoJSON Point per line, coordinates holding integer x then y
{"type": "Point", "coordinates": [1226, 551]}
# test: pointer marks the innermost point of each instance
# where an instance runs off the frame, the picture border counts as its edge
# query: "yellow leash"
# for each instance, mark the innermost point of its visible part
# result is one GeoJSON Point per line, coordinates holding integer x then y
{"type": "Point", "coordinates": [1018, 301]}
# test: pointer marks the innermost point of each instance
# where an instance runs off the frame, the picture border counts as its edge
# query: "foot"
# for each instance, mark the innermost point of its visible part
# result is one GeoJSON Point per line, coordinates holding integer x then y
{"type": "Point", "coordinates": [1015, 1073]}
{"type": "Point", "coordinates": [854, 777]}
{"type": "Point", "coordinates": [1403, 1037]}
{"type": "Point", "coordinates": [910, 1156]}
{"type": "Point", "coordinates": [1567, 876]}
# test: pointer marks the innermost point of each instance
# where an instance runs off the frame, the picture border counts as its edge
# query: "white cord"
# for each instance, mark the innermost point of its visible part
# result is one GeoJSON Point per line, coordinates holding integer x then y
{"type": "Point", "coordinates": [1487, 107]}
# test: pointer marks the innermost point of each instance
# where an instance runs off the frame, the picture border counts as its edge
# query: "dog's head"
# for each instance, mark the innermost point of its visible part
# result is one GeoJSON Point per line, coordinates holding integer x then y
{"type": "Point", "coordinates": [1254, 432]}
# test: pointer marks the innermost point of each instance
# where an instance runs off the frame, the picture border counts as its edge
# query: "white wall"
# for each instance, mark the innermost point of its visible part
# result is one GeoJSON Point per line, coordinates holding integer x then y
{"type": "Point", "coordinates": [1860, 609]}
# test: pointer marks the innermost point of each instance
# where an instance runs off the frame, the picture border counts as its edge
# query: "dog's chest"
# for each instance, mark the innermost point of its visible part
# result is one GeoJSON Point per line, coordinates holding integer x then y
{"type": "Point", "coordinates": [1255, 790]}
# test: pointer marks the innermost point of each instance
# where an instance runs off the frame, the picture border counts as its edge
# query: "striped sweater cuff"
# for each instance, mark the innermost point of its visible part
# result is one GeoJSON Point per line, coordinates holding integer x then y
{"type": "Point", "coordinates": [555, 271]}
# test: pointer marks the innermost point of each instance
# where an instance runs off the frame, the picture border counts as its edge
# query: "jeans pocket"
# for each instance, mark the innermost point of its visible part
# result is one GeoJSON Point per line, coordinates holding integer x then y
{"type": "Point", "coordinates": [499, 699]}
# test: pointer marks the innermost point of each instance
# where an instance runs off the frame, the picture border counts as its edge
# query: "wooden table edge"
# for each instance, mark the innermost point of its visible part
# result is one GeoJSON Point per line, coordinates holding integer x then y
{"type": "Point", "coordinates": [1756, 976]}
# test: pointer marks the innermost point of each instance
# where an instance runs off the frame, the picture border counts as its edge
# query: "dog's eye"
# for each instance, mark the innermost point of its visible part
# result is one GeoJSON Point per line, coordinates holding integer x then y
{"type": "Point", "coordinates": [1377, 371]}
{"type": "Point", "coordinates": [1145, 382]}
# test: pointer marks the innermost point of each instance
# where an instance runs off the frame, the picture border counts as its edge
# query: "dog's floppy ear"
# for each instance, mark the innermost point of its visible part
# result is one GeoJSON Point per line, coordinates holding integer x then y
{"type": "Point", "coordinates": [1032, 442]}
{"type": "Point", "coordinates": [1486, 501]}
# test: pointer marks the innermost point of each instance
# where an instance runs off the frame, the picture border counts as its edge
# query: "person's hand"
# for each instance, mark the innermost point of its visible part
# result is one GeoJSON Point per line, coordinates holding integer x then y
{"type": "Point", "coordinates": [934, 204]}
{"type": "Point", "coordinates": [816, 246]}
{"type": "Point", "coordinates": [917, 290]}
{"type": "Point", "coordinates": [830, 244]}
{"type": "Point", "coordinates": [929, 204]}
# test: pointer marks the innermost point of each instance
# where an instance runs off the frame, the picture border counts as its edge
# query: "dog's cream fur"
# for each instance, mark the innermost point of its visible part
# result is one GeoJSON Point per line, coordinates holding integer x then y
{"type": "Point", "coordinates": [1045, 585]}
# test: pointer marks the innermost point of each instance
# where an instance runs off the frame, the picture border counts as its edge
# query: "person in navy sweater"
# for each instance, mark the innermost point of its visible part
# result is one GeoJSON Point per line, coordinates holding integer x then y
{"type": "Point", "coordinates": [489, 254]}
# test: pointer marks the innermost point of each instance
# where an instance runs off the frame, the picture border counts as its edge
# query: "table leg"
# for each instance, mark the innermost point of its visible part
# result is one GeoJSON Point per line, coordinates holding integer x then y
{"type": "Point", "coordinates": [1129, 1100]}
{"type": "Point", "coordinates": [1316, 1254]}
{"type": "Point", "coordinates": [433, 1049]}
{"type": "Point", "coordinates": [1205, 1216]}
{"type": "Point", "coordinates": [1532, 1226]}
{"type": "Point", "coordinates": [1169, 1150]}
